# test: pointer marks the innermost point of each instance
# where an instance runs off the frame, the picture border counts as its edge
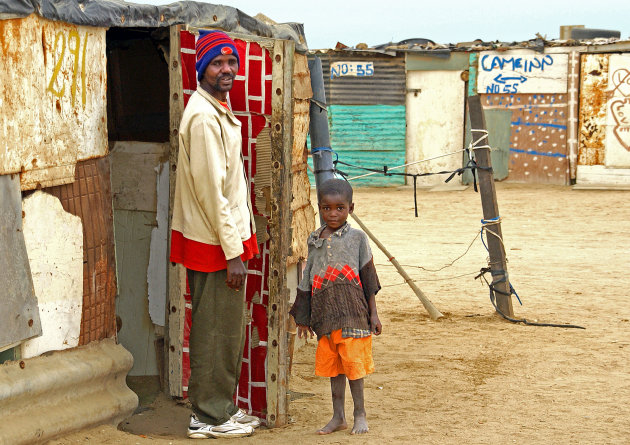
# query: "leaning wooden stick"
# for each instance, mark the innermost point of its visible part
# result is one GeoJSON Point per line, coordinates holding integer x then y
{"type": "Point", "coordinates": [433, 312]}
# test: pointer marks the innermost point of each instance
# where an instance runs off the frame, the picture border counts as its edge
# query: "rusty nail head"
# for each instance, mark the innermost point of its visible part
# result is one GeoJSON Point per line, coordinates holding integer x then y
{"type": "Point", "coordinates": [274, 307]}
{"type": "Point", "coordinates": [173, 309]}
{"type": "Point", "coordinates": [273, 377]}
{"type": "Point", "coordinates": [278, 57]}
{"type": "Point", "coordinates": [22, 364]}
{"type": "Point", "coordinates": [30, 323]}
{"type": "Point", "coordinates": [275, 343]}
{"type": "Point", "coordinates": [172, 348]}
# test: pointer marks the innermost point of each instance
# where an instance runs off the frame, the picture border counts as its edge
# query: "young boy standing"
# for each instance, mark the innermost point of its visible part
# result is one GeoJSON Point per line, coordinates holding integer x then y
{"type": "Point", "coordinates": [336, 301]}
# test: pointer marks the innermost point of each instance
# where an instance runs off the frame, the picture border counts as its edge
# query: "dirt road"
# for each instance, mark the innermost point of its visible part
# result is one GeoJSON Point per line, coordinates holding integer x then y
{"type": "Point", "coordinates": [472, 377]}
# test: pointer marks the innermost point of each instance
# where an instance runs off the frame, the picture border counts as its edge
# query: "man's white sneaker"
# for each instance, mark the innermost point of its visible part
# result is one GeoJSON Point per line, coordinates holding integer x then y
{"type": "Point", "coordinates": [245, 419]}
{"type": "Point", "coordinates": [231, 429]}
{"type": "Point", "coordinates": [198, 429]}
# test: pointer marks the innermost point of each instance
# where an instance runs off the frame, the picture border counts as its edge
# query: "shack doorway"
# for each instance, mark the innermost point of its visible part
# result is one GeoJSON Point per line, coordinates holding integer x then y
{"type": "Point", "coordinates": [138, 129]}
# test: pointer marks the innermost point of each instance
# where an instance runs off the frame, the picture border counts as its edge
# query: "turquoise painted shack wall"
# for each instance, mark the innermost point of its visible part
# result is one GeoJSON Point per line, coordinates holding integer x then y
{"type": "Point", "coordinates": [369, 136]}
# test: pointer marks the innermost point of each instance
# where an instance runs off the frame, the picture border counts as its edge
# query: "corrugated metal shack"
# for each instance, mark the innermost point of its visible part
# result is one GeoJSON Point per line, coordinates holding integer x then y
{"type": "Point", "coordinates": [365, 91]}
{"type": "Point", "coordinates": [90, 108]}
{"type": "Point", "coordinates": [556, 111]}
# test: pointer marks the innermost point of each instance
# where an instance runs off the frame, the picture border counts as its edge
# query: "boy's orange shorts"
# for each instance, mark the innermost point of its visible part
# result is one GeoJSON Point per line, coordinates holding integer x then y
{"type": "Point", "coordinates": [350, 356]}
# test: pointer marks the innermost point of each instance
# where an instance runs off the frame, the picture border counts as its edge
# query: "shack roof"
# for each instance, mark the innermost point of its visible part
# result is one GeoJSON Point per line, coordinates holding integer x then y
{"type": "Point", "coordinates": [428, 47]}
{"type": "Point", "coordinates": [118, 13]}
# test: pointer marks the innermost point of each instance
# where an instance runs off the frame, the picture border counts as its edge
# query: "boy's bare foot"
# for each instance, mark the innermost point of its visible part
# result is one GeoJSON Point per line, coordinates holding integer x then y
{"type": "Point", "coordinates": [360, 424]}
{"type": "Point", "coordinates": [335, 424]}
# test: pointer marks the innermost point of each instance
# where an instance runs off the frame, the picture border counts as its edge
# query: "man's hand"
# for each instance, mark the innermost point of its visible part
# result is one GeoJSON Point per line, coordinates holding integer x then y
{"type": "Point", "coordinates": [236, 273]}
{"type": "Point", "coordinates": [303, 331]}
{"type": "Point", "coordinates": [375, 324]}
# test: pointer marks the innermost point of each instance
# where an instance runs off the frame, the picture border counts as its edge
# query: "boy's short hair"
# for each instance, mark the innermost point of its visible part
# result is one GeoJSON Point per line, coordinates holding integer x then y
{"type": "Point", "coordinates": [339, 187]}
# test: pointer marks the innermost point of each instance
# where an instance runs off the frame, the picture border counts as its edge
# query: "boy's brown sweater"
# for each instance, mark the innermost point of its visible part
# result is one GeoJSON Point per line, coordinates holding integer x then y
{"type": "Point", "coordinates": [338, 280]}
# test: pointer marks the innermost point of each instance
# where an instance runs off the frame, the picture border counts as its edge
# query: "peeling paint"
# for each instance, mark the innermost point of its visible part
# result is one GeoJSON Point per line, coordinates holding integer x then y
{"type": "Point", "coordinates": [593, 98]}
{"type": "Point", "coordinates": [53, 109]}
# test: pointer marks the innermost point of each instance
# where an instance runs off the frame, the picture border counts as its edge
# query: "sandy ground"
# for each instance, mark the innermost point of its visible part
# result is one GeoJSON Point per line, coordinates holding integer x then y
{"type": "Point", "coordinates": [472, 377]}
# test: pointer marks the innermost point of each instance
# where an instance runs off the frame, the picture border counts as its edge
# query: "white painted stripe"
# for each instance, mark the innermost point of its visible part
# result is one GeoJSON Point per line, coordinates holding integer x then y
{"type": "Point", "coordinates": [186, 350]}
{"type": "Point", "coordinates": [255, 97]}
{"type": "Point", "coordinates": [262, 343]}
{"type": "Point", "coordinates": [189, 91]}
{"type": "Point", "coordinates": [247, 82]}
{"type": "Point", "coordinates": [255, 58]}
{"type": "Point", "coordinates": [258, 384]}
{"type": "Point", "coordinates": [189, 51]}
{"type": "Point", "coordinates": [239, 78]}
{"type": "Point", "coordinates": [185, 388]}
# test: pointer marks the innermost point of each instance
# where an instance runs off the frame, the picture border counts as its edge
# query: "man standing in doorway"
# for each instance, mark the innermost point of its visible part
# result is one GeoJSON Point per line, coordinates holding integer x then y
{"type": "Point", "coordinates": [213, 236]}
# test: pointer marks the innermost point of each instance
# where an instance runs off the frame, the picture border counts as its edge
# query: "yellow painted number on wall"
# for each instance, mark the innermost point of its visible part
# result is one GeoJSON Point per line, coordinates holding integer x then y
{"type": "Point", "coordinates": [74, 48]}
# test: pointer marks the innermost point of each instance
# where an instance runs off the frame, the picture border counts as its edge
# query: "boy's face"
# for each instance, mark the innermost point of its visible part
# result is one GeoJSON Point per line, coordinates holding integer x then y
{"type": "Point", "coordinates": [335, 210]}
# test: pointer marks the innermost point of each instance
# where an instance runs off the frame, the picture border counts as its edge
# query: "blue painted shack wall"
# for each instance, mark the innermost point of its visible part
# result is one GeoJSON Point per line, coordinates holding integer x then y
{"type": "Point", "coordinates": [369, 136]}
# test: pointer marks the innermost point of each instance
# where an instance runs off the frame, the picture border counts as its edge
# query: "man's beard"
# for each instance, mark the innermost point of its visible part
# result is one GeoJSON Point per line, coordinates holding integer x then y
{"type": "Point", "coordinates": [220, 87]}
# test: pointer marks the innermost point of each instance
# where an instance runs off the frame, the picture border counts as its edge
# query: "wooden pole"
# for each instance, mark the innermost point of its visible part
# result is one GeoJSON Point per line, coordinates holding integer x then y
{"type": "Point", "coordinates": [487, 190]}
{"type": "Point", "coordinates": [175, 307]}
{"type": "Point", "coordinates": [433, 312]}
{"type": "Point", "coordinates": [280, 232]}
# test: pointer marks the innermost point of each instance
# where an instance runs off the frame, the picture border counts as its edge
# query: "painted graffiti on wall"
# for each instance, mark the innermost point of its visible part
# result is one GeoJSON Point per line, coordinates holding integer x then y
{"type": "Point", "coordinates": [620, 108]}
{"type": "Point", "coordinates": [522, 71]}
{"type": "Point", "coordinates": [357, 69]}
{"type": "Point", "coordinates": [618, 112]}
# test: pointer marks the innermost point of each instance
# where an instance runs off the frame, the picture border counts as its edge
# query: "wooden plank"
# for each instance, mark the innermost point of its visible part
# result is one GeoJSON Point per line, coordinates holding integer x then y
{"type": "Point", "coordinates": [280, 224]}
{"type": "Point", "coordinates": [498, 263]}
{"type": "Point", "coordinates": [176, 273]}
{"type": "Point", "coordinates": [574, 102]}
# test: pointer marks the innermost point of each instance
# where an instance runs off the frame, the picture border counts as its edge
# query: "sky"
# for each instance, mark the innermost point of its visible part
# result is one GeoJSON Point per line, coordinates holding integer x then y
{"type": "Point", "coordinates": [327, 22]}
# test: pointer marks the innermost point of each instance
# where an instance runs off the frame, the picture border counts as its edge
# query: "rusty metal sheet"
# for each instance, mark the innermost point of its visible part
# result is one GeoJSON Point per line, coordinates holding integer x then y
{"type": "Point", "coordinates": [593, 99]}
{"type": "Point", "coordinates": [538, 136]}
{"type": "Point", "coordinates": [89, 197]}
{"type": "Point", "coordinates": [53, 99]}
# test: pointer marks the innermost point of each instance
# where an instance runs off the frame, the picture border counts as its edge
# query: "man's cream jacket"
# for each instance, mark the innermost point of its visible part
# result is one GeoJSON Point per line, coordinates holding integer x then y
{"type": "Point", "coordinates": [211, 195]}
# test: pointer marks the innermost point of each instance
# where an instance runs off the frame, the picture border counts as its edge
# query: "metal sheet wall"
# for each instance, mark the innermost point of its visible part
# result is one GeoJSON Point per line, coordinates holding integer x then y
{"type": "Point", "coordinates": [593, 86]}
{"type": "Point", "coordinates": [538, 139]}
{"type": "Point", "coordinates": [367, 115]}
{"type": "Point", "coordinates": [52, 103]}
{"type": "Point", "coordinates": [369, 136]}
{"type": "Point", "coordinates": [386, 86]}
{"type": "Point", "coordinates": [89, 197]}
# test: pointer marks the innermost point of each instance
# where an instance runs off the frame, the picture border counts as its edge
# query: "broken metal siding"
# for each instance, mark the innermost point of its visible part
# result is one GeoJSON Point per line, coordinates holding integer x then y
{"type": "Point", "coordinates": [593, 100]}
{"type": "Point", "coordinates": [89, 197]}
{"type": "Point", "coordinates": [52, 104]}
